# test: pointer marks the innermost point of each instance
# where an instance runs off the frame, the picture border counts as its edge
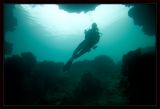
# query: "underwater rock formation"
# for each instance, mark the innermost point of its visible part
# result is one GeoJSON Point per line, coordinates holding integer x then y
{"type": "Point", "coordinates": [144, 15]}
{"type": "Point", "coordinates": [8, 48]}
{"type": "Point", "coordinates": [104, 64]}
{"type": "Point", "coordinates": [17, 73]}
{"type": "Point", "coordinates": [30, 82]}
{"type": "Point", "coordinates": [139, 77]}
{"type": "Point", "coordinates": [88, 90]}
{"type": "Point", "coordinates": [27, 81]}
{"type": "Point", "coordinates": [77, 7]}
{"type": "Point", "coordinates": [10, 22]}
{"type": "Point", "coordinates": [89, 82]}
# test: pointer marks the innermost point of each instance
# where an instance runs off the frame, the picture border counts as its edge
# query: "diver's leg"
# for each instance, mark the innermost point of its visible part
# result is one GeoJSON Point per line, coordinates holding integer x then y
{"type": "Point", "coordinates": [76, 51]}
{"type": "Point", "coordinates": [67, 66]}
{"type": "Point", "coordinates": [80, 46]}
{"type": "Point", "coordinates": [83, 51]}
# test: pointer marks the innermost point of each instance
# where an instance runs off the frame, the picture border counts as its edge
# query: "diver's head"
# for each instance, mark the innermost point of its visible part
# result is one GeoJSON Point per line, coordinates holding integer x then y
{"type": "Point", "coordinates": [94, 25]}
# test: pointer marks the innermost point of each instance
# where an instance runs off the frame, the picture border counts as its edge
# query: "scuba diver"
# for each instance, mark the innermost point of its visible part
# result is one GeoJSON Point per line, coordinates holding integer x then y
{"type": "Point", "coordinates": [92, 37]}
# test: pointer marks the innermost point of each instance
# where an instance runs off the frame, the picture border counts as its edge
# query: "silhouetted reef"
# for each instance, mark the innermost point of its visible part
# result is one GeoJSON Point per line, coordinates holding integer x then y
{"type": "Point", "coordinates": [77, 8]}
{"type": "Point", "coordinates": [144, 15]}
{"type": "Point", "coordinates": [96, 82]}
{"type": "Point", "coordinates": [139, 77]}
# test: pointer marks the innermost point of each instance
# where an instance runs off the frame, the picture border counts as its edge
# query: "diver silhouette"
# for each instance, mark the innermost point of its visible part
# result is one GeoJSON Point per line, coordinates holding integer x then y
{"type": "Point", "coordinates": [92, 37]}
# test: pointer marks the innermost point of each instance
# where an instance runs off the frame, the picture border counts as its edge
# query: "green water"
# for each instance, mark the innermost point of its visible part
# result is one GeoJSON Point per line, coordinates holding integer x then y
{"type": "Point", "coordinates": [54, 37]}
{"type": "Point", "coordinates": [40, 39]}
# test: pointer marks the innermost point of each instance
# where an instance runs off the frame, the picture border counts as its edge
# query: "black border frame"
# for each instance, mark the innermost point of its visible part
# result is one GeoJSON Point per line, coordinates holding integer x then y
{"type": "Point", "coordinates": [80, 1]}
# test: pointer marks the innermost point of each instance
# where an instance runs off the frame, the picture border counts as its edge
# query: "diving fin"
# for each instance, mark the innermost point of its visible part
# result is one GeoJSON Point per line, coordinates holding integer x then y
{"type": "Point", "coordinates": [67, 66]}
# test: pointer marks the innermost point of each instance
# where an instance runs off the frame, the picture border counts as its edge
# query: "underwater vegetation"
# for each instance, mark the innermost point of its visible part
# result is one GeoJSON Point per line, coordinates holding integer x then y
{"type": "Point", "coordinates": [96, 82]}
